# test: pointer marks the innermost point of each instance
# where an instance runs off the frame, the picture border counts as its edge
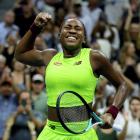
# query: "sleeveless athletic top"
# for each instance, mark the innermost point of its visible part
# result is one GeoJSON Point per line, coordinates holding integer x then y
{"type": "Point", "coordinates": [73, 73]}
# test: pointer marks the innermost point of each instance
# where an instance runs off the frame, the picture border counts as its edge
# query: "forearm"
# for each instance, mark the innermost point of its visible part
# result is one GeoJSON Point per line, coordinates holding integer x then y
{"type": "Point", "coordinates": [37, 123]}
{"type": "Point", "coordinates": [121, 95]}
{"type": "Point", "coordinates": [25, 44]}
{"type": "Point", "coordinates": [118, 100]}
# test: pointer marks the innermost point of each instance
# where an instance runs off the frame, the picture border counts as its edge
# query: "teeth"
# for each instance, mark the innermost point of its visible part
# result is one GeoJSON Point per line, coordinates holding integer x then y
{"type": "Point", "coordinates": [71, 37]}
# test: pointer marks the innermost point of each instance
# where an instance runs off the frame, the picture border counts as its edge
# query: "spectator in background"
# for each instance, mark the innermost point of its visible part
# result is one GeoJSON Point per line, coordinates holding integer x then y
{"type": "Point", "coordinates": [128, 60]}
{"type": "Point", "coordinates": [133, 127]}
{"type": "Point", "coordinates": [20, 78]}
{"type": "Point", "coordinates": [138, 73]}
{"type": "Point", "coordinates": [9, 48]}
{"type": "Point", "coordinates": [8, 103]}
{"type": "Point", "coordinates": [24, 15]}
{"type": "Point", "coordinates": [112, 133]}
{"type": "Point", "coordinates": [59, 16]}
{"type": "Point", "coordinates": [43, 6]}
{"type": "Point", "coordinates": [7, 27]}
{"type": "Point", "coordinates": [37, 70]}
{"type": "Point", "coordinates": [135, 7]}
{"type": "Point", "coordinates": [50, 35]}
{"type": "Point", "coordinates": [21, 125]}
{"type": "Point", "coordinates": [38, 95]}
{"type": "Point", "coordinates": [127, 56]}
{"type": "Point", "coordinates": [40, 43]}
{"type": "Point", "coordinates": [103, 35]}
{"type": "Point", "coordinates": [92, 9]}
{"type": "Point", "coordinates": [2, 65]}
{"type": "Point", "coordinates": [114, 10]}
{"type": "Point", "coordinates": [131, 27]}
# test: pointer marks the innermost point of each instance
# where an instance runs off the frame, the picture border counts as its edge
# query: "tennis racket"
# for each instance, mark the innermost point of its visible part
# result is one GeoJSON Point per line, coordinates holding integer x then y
{"type": "Point", "coordinates": [75, 119]}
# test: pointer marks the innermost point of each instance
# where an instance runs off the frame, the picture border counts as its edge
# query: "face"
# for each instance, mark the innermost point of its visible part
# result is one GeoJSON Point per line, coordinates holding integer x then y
{"type": "Point", "coordinates": [72, 35]}
{"type": "Point", "coordinates": [6, 90]}
{"type": "Point", "coordinates": [135, 107]}
{"type": "Point", "coordinates": [134, 31]}
{"type": "Point", "coordinates": [25, 96]}
{"type": "Point", "coordinates": [9, 17]}
{"type": "Point", "coordinates": [131, 49]}
{"type": "Point", "coordinates": [37, 87]}
{"type": "Point", "coordinates": [93, 2]}
{"type": "Point", "coordinates": [28, 7]}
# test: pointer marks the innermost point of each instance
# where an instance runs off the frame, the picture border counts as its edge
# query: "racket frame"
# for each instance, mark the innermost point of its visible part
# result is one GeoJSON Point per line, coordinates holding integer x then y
{"type": "Point", "coordinates": [91, 113]}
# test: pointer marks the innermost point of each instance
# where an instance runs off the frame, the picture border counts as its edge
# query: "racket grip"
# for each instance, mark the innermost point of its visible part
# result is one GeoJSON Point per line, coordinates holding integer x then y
{"type": "Point", "coordinates": [105, 126]}
{"type": "Point", "coordinates": [113, 110]}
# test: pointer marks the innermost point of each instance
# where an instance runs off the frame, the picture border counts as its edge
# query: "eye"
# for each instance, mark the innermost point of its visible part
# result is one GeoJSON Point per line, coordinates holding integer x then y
{"type": "Point", "coordinates": [78, 28]}
{"type": "Point", "coordinates": [67, 27]}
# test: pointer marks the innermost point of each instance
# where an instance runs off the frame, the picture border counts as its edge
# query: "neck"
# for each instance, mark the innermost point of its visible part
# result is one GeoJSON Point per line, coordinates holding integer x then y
{"type": "Point", "coordinates": [36, 93]}
{"type": "Point", "coordinates": [134, 117]}
{"type": "Point", "coordinates": [92, 7]}
{"type": "Point", "coordinates": [17, 72]}
{"type": "Point", "coordinates": [69, 54]}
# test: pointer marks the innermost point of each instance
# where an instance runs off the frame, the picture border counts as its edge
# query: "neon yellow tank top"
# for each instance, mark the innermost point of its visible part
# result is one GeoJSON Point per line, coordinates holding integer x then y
{"type": "Point", "coordinates": [73, 73]}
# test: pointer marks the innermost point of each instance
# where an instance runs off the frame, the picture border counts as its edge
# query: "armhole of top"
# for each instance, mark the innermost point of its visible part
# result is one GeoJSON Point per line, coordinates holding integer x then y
{"type": "Point", "coordinates": [91, 65]}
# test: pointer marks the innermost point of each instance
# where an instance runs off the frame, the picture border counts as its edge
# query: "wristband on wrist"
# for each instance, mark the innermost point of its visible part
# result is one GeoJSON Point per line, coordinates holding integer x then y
{"type": "Point", "coordinates": [35, 29]}
{"type": "Point", "coordinates": [113, 110]}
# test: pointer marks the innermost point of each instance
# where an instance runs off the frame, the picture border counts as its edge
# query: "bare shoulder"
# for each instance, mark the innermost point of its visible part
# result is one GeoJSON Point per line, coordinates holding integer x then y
{"type": "Point", "coordinates": [95, 54]}
{"type": "Point", "coordinates": [48, 54]}
{"type": "Point", "coordinates": [98, 59]}
{"type": "Point", "coordinates": [102, 66]}
{"type": "Point", "coordinates": [50, 51]}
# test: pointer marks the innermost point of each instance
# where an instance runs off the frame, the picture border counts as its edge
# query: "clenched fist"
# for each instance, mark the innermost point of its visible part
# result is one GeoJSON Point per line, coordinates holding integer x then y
{"type": "Point", "coordinates": [42, 19]}
{"type": "Point", "coordinates": [108, 121]}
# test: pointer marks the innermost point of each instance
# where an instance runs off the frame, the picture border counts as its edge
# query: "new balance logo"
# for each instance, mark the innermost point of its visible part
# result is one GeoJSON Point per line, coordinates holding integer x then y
{"type": "Point", "coordinates": [78, 63]}
{"type": "Point", "coordinates": [57, 63]}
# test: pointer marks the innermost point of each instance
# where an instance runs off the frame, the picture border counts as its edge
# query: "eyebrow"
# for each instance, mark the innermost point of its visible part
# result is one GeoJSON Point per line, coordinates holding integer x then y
{"type": "Point", "coordinates": [71, 25]}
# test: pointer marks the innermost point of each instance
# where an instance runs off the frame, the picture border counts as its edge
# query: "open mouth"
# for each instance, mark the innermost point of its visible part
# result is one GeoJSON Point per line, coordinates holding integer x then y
{"type": "Point", "coordinates": [71, 38]}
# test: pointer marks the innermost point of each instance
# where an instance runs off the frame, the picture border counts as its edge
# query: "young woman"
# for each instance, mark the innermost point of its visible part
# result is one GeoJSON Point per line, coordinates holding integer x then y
{"type": "Point", "coordinates": [76, 68]}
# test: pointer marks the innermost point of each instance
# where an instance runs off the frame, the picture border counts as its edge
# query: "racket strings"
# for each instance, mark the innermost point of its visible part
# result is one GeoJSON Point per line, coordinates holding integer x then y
{"type": "Point", "coordinates": [76, 118]}
{"type": "Point", "coordinates": [74, 114]}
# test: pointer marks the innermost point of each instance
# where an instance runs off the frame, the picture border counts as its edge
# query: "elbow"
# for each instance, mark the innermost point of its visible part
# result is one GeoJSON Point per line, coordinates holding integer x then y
{"type": "Point", "coordinates": [17, 55]}
{"type": "Point", "coordinates": [128, 87]}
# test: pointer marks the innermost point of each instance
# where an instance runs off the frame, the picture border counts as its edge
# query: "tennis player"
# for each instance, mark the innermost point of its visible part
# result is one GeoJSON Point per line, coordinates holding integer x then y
{"type": "Point", "coordinates": [76, 69]}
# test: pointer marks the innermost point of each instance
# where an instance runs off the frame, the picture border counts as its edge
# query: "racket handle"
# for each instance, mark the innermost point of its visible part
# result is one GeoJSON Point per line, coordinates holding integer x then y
{"type": "Point", "coordinates": [105, 126]}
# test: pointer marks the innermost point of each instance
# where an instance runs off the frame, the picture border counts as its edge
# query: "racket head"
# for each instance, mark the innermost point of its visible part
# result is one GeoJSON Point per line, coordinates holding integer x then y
{"type": "Point", "coordinates": [75, 119]}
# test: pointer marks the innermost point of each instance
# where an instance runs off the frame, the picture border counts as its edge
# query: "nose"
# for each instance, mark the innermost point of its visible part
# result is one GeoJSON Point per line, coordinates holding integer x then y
{"type": "Point", "coordinates": [72, 30]}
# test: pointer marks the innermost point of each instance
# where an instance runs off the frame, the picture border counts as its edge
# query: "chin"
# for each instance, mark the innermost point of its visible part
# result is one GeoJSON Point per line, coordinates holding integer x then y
{"type": "Point", "coordinates": [71, 47]}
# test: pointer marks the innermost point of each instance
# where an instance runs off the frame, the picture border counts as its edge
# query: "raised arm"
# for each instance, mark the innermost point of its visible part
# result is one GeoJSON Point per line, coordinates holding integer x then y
{"type": "Point", "coordinates": [25, 51]}
{"type": "Point", "coordinates": [102, 66]}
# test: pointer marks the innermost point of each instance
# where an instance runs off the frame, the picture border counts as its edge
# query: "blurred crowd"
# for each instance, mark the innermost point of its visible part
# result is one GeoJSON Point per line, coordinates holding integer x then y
{"type": "Point", "coordinates": [112, 27]}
